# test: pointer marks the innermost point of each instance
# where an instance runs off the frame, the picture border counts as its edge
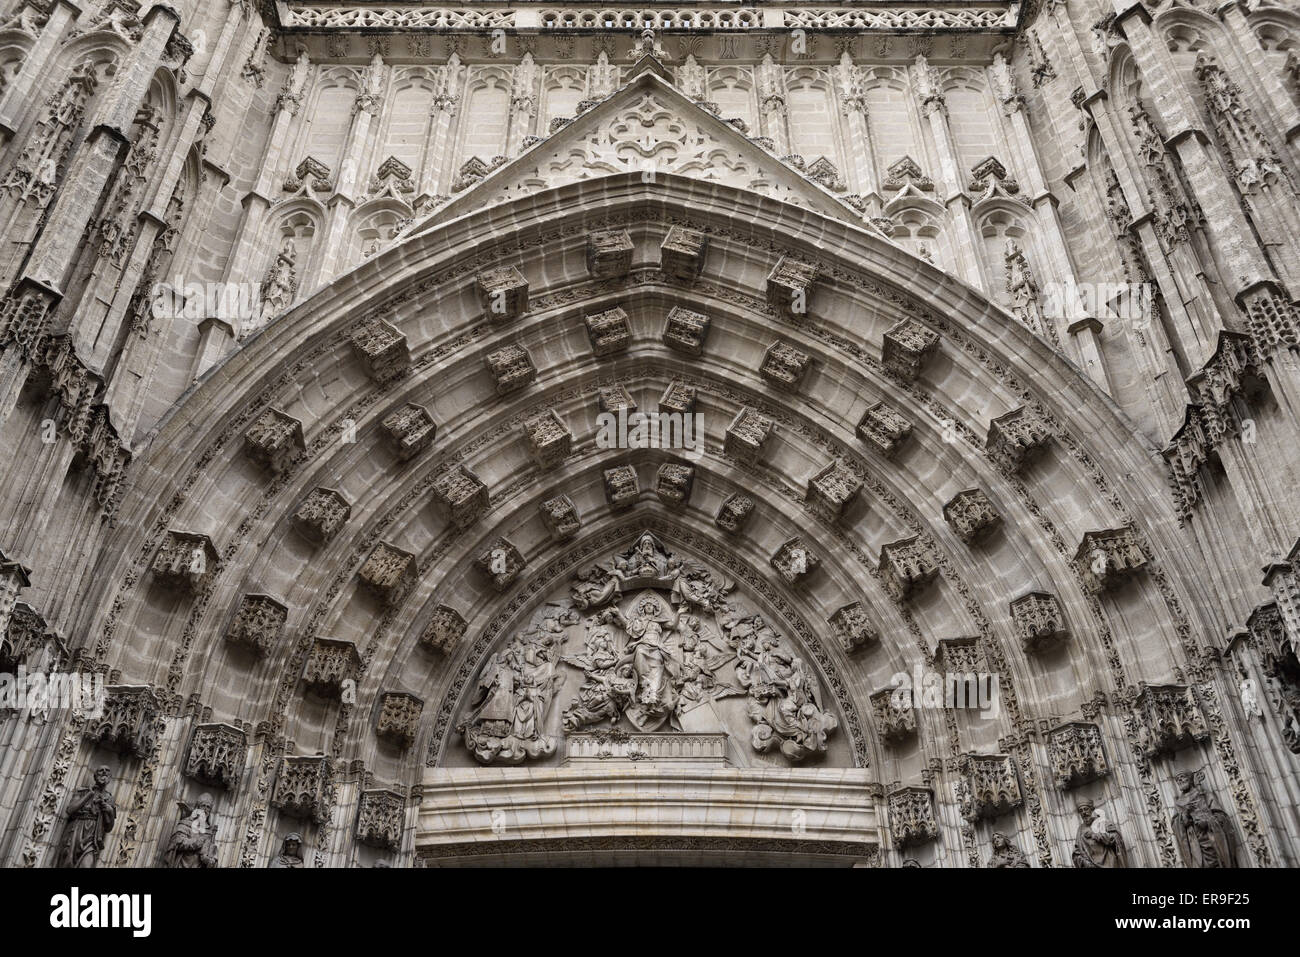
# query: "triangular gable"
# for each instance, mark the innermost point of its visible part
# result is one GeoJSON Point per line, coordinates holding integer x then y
{"type": "Point", "coordinates": [646, 126]}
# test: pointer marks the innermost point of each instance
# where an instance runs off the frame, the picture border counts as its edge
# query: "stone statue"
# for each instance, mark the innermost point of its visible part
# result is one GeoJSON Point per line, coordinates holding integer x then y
{"type": "Point", "coordinates": [194, 841]}
{"type": "Point", "coordinates": [1202, 828]}
{"type": "Point", "coordinates": [290, 852]}
{"type": "Point", "coordinates": [1097, 843]}
{"type": "Point", "coordinates": [1006, 854]}
{"type": "Point", "coordinates": [654, 652]}
{"type": "Point", "coordinates": [507, 720]}
{"type": "Point", "coordinates": [784, 702]}
{"type": "Point", "coordinates": [91, 815]}
{"type": "Point", "coordinates": [1250, 699]}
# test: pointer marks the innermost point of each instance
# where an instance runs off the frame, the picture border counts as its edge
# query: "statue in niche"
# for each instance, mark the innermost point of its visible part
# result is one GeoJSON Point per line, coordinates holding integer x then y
{"type": "Point", "coordinates": [194, 841]}
{"type": "Point", "coordinates": [515, 690]}
{"type": "Point", "coordinates": [290, 852]}
{"type": "Point", "coordinates": [1097, 843]}
{"type": "Point", "coordinates": [1006, 854]}
{"type": "Point", "coordinates": [91, 815]}
{"type": "Point", "coordinates": [784, 702]}
{"type": "Point", "coordinates": [1201, 827]}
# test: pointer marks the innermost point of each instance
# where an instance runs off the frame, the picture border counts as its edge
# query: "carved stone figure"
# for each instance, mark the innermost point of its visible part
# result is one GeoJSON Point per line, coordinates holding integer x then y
{"type": "Point", "coordinates": [1006, 854]}
{"type": "Point", "coordinates": [1202, 828]}
{"type": "Point", "coordinates": [784, 699]}
{"type": "Point", "coordinates": [506, 721]}
{"type": "Point", "coordinates": [194, 841]}
{"type": "Point", "coordinates": [1097, 842]}
{"type": "Point", "coordinates": [91, 815]}
{"type": "Point", "coordinates": [290, 852]}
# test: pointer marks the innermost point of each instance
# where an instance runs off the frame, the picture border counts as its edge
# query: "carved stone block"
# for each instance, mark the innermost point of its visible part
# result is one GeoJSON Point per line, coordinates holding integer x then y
{"type": "Point", "coordinates": [381, 348]}
{"type": "Point", "coordinates": [399, 717]}
{"type": "Point", "coordinates": [388, 573]}
{"type": "Point", "coordinates": [971, 515]}
{"type": "Point", "coordinates": [258, 624]}
{"type": "Point", "coordinates": [834, 489]}
{"type": "Point", "coordinates": [747, 434]}
{"type": "Point", "coordinates": [1108, 558]}
{"type": "Point", "coordinates": [615, 399]}
{"type": "Point", "coordinates": [784, 366]}
{"type": "Point", "coordinates": [907, 568]}
{"type": "Point", "coordinates": [853, 627]}
{"type": "Point", "coordinates": [1169, 717]}
{"type": "Point", "coordinates": [789, 286]}
{"type": "Point", "coordinates": [381, 819]}
{"type": "Point", "coordinates": [679, 398]}
{"type": "Point", "coordinates": [621, 488]}
{"type": "Point", "coordinates": [992, 787]}
{"type": "Point", "coordinates": [186, 561]}
{"type": "Point", "coordinates": [460, 497]}
{"type": "Point", "coordinates": [512, 368]}
{"type": "Point", "coordinates": [128, 722]}
{"type": "Point", "coordinates": [561, 517]}
{"type": "Point", "coordinates": [444, 630]}
{"type": "Point", "coordinates": [609, 331]}
{"type": "Point", "coordinates": [673, 483]}
{"type": "Point", "coordinates": [795, 561]}
{"type": "Point", "coordinates": [734, 513]}
{"type": "Point", "coordinates": [274, 440]}
{"type": "Point", "coordinates": [503, 292]}
{"type": "Point", "coordinates": [501, 562]}
{"type": "Point", "coordinates": [322, 513]}
{"type": "Point", "coordinates": [907, 347]}
{"type": "Point", "coordinates": [894, 724]}
{"type": "Point", "coordinates": [330, 664]}
{"type": "Point", "coordinates": [960, 656]}
{"type": "Point", "coordinates": [410, 430]}
{"type": "Point", "coordinates": [911, 816]}
{"type": "Point", "coordinates": [1017, 438]}
{"type": "Point", "coordinates": [1076, 753]}
{"type": "Point", "coordinates": [1039, 621]}
{"type": "Point", "coordinates": [884, 429]}
{"type": "Point", "coordinates": [686, 330]}
{"type": "Point", "coordinates": [304, 788]}
{"type": "Point", "coordinates": [682, 253]}
{"type": "Point", "coordinates": [217, 755]}
{"type": "Point", "coordinates": [609, 254]}
{"type": "Point", "coordinates": [549, 439]}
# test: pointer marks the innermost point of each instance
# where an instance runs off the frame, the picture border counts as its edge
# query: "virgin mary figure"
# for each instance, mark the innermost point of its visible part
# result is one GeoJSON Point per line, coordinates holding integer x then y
{"type": "Point", "coordinates": [655, 658]}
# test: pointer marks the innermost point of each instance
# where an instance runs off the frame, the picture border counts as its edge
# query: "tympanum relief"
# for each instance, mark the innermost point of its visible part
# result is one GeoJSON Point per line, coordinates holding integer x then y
{"type": "Point", "coordinates": [650, 644]}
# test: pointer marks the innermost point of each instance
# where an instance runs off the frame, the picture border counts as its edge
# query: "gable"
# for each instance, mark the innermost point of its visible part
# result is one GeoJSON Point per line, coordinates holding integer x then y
{"type": "Point", "coordinates": [646, 127]}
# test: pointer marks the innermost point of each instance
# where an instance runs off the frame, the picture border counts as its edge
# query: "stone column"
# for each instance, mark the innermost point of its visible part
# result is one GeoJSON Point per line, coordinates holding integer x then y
{"type": "Point", "coordinates": [37, 63]}
{"type": "Point", "coordinates": [1086, 334]}
{"type": "Point", "coordinates": [1276, 100]}
{"type": "Point", "coordinates": [771, 105]}
{"type": "Point", "coordinates": [933, 107]}
{"type": "Point", "coordinates": [862, 174]}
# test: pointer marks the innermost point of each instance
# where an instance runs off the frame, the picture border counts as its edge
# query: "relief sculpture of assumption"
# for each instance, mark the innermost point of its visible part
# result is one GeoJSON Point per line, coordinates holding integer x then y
{"type": "Point", "coordinates": [647, 643]}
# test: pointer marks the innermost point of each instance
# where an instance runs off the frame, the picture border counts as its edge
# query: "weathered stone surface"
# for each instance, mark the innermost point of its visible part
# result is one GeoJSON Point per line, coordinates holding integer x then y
{"type": "Point", "coordinates": [682, 253]}
{"type": "Point", "coordinates": [504, 292]}
{"type": "Point", "coordinates": [609, 331]}
{"type": "Point", "coordinates": [274, 440]}
{"type": "Point", "coordinates": [322, 514]}
{"type": "Point", "coordinates": [460, 497]}
{"type": "Point", "coordinates": [512, 368]}
{"type": "Point", "coordinates": [410, 429]}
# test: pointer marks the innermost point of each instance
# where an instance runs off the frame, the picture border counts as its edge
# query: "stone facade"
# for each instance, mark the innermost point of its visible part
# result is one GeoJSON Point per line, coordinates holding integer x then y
{"type": "Point", "coordinates": [986, 312]}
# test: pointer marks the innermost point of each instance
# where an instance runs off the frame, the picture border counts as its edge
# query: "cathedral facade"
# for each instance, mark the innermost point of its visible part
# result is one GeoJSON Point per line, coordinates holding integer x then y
{"type": "Point", "coordinates": [855, 434]}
